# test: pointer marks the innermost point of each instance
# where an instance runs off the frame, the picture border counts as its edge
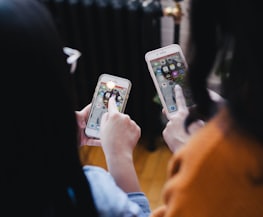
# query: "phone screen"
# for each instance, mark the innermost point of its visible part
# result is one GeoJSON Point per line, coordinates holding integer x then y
{"type": "Point", "coordinates": [169, 71]}
{"type": "Point", "coordinates": [100, 104]}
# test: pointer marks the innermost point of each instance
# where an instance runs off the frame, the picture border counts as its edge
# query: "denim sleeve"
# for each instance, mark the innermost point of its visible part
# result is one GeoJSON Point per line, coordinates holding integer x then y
{"type": "Point", "coordinates": [112, 201]}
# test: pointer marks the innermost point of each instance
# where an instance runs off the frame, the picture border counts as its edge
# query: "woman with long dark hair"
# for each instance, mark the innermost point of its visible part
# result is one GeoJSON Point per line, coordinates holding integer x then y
{"type": "Point", "coordinates": [41, 173]}
{"type": "Point", "coordinates": [219, 171]}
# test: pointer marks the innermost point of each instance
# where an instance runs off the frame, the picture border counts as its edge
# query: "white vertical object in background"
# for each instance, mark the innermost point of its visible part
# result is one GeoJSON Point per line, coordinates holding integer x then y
{"type": "Point", "coordinates": [167, 25]}
{"type": "Point", "coordinates": [167, 36]}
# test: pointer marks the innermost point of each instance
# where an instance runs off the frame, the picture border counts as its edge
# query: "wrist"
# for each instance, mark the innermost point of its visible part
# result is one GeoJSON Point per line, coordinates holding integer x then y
{"type": "Point", "coordinates": [119, 158]}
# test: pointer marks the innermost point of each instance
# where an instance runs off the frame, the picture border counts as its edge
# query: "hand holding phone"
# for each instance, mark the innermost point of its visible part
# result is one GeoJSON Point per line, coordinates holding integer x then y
{"type": "Point", "coordinates": [167, 66]}
{"type": "Point", "coordinates": [107, 86]}
{"type": "Point", "coordinates": [82, 117]}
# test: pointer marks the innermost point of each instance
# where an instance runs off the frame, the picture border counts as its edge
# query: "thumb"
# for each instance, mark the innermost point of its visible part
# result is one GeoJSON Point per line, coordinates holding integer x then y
{"type": "Point", "coordinates": [179, 97]}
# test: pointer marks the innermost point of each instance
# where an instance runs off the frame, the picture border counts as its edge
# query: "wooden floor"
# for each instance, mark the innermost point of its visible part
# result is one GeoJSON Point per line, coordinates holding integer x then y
{"type": "Point", "coordinates": [150, 166]}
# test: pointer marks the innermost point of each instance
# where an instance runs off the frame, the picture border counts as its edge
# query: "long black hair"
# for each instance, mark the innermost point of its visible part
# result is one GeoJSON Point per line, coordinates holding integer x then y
{"type": "Point", "coordinates": [41, 174]}
{"type": "Point", "coordinates": [217, 29]}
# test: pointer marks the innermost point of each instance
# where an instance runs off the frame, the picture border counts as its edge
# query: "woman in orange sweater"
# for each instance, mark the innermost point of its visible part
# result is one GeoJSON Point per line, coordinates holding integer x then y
{"type": "Point", "coordinates": [219, 171]}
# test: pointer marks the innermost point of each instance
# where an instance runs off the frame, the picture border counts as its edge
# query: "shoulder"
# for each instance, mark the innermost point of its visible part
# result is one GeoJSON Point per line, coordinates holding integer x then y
{"type": "Point", "coordinates": [213, 167]}
{"type": "Point", "coordinates": [215, 149]}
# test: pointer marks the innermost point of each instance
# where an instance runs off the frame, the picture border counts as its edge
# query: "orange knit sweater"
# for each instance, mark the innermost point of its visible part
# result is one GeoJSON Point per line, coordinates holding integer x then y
{"type": "Point", "coordinates": [219, 173]}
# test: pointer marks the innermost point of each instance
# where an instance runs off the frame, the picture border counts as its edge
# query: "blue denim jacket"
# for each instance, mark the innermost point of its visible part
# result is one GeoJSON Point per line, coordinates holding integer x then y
{"type": "Point", "coordinates": [112, 201]}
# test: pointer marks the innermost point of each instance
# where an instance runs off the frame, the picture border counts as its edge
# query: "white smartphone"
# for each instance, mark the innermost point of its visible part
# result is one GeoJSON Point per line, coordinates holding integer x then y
{"type": "Point", "coordinates": [107, 86]}
{"type": "Point", "coordinates": [167, 66]}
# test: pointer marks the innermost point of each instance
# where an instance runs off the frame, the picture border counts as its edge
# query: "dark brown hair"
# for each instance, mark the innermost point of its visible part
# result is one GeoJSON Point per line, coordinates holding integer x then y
{"type": "Point", "coordinates": [41, 174]}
